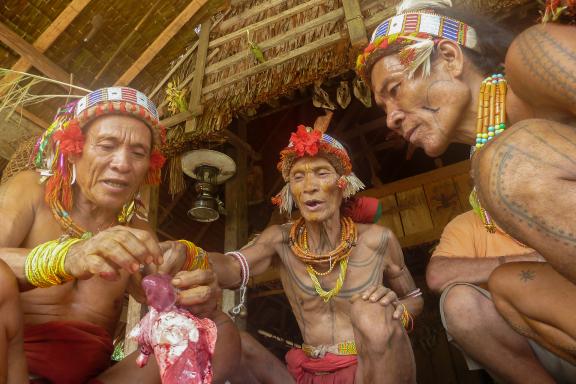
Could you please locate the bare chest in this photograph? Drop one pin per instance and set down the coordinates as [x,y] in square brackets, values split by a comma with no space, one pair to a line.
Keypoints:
[364,268]
[95,299]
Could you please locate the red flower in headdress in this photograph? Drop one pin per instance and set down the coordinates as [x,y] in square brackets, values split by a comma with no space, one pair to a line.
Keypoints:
[71,139]
[157,160]
[305,143]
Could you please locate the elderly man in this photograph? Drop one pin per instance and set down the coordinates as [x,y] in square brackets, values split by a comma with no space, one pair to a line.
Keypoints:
[331,271]
[427,68]
[75,238]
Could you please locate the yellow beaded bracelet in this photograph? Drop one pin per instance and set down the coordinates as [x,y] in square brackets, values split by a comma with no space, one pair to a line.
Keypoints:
[44,265]
[195,257]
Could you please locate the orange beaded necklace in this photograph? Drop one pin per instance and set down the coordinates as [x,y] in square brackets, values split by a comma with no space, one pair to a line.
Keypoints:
[299,243]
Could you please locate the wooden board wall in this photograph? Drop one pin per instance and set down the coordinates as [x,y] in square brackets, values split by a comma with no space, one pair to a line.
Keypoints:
[418,208]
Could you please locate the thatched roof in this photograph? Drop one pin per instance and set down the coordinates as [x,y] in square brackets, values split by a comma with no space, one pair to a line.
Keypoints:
[100,43]
[97,43]
[302,41]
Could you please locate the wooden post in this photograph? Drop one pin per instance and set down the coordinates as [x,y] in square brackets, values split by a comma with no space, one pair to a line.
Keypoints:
[236,228]
[150,197]
[196,88]
[355,23]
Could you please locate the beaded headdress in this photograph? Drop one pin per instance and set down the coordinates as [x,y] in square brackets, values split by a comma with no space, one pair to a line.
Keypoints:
[64,137]
[413,33]
[309,142]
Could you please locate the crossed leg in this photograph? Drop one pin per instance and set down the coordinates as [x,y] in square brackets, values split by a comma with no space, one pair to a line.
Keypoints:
[384,351]
[12,359]
[537,302]
[259,366]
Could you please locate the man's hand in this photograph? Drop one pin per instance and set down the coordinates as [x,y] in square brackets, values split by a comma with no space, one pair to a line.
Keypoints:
[112,250]
[199,291]
[174,256]
[382,295]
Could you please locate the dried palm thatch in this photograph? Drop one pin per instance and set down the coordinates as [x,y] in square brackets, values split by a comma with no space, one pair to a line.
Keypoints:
[264,49]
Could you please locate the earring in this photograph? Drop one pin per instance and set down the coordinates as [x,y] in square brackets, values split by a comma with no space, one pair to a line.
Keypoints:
[73,174]
[342,182]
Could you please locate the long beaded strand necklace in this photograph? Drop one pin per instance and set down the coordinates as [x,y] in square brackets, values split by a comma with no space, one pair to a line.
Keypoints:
[491,121]
[299,245]
[74,230]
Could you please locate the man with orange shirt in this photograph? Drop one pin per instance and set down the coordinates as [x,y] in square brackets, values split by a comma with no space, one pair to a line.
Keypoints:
[459,269]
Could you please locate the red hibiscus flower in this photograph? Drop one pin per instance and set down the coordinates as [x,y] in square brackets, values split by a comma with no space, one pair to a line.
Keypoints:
[305,143]
[157,160]
[71,139]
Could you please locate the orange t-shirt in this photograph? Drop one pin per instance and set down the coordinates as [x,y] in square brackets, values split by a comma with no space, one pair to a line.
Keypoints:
[465,236]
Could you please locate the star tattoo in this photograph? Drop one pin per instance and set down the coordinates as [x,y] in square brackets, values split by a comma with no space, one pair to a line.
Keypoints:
[527,275]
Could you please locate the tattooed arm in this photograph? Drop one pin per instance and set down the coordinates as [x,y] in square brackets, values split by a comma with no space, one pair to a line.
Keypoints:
[258,254]
[546,55]
[399,278]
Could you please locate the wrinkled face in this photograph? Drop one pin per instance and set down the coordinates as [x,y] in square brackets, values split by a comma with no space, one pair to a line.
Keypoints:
[314,186]
[114,161]
[425,111]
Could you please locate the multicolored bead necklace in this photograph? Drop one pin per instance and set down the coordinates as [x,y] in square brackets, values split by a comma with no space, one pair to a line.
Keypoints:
[491,121]
[491,109]
[299,245]
[74,230]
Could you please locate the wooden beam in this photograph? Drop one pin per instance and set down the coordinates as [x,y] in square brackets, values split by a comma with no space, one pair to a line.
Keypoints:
[355,23]
[34,56]
[419,180]
[54,30]
[260,24]
[379,123]
[200,234]
[379,17]
[189,78]
[166,211]
[372,161]
[41,123]
[282,107]
[261,8]
[196,87]
[318,44]
[161,41]
[276,40]
[182,59]
[236,226]
[241,144]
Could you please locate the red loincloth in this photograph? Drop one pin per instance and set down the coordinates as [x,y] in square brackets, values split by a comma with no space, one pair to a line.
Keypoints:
[67,352]
[330,369]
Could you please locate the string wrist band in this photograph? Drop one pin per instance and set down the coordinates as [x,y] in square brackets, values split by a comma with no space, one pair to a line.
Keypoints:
[245,274]
[195,257]
[45,265]
[407,319]
[414,293]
